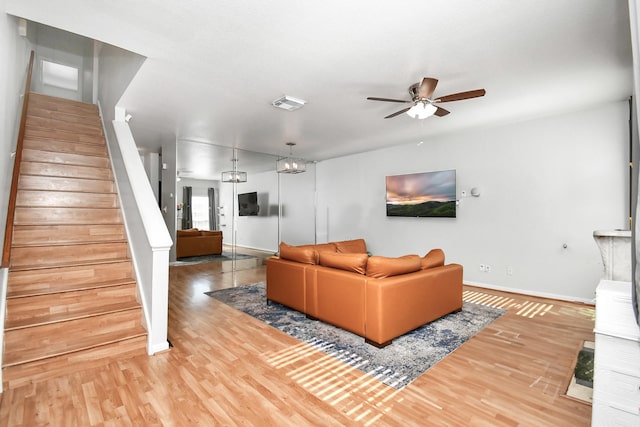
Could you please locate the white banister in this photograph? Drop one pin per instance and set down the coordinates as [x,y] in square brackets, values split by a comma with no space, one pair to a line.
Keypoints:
[149,238]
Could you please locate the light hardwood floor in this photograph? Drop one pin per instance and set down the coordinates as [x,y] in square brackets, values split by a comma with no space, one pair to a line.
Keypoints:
[226,368]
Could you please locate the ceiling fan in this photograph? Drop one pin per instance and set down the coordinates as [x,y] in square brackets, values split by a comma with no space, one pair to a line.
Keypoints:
[423,103]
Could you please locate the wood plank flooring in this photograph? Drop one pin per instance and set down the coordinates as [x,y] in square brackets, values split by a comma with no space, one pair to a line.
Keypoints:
[226,368]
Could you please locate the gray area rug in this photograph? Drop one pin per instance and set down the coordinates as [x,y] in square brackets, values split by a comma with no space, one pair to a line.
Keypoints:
[225,256]
[396,365]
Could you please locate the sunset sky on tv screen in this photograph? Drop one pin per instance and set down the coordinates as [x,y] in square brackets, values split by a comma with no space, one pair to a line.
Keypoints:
[419,188]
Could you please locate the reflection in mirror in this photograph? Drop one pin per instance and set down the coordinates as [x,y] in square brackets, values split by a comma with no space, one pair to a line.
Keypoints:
[247,238]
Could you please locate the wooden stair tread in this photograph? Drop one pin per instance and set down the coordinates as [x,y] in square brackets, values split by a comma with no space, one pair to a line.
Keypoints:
[70,159]
[19,375]
[73,115]
[66,177]
[59,347]
[67,264]
[23,293]
[62,135]
[37,98]
[66,243]
[64,316]
[63,142]
[65,130]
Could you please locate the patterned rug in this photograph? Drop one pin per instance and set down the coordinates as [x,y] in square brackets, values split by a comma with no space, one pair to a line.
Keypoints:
[225,256]
[396,365]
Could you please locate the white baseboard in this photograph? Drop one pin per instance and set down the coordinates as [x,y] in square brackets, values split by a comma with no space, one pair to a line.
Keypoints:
[530,293]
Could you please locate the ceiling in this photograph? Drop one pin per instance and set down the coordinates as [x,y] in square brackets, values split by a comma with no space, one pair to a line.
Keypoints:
[214,67]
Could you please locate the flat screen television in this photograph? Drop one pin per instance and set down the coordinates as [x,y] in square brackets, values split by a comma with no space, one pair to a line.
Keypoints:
[426,194]
[248,204]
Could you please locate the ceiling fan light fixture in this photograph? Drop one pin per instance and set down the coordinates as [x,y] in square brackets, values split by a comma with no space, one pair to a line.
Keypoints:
[422,110]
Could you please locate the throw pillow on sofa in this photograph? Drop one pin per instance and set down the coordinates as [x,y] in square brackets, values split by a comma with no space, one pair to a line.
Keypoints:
[357,246]
[356,263]
[435,258]
[302,254]
[380,267]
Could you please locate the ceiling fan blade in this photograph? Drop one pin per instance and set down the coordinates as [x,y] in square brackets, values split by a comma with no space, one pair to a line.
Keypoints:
[427,86]
[441,112]
[397,113]
[373,98]
[460,96]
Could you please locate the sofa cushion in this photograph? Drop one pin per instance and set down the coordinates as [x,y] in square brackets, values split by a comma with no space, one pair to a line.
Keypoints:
[331,247]
[192,232]
[302,254]
[380,267]
[357,246]
[435,258]
[356,263]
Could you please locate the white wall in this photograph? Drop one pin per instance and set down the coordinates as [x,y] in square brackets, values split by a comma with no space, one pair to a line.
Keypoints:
[64,48]
[543,183]
[168,194]
[297,199]
[14,57]
[257,232]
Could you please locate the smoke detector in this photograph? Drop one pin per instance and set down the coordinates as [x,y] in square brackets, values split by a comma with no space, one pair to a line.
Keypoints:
[289,103]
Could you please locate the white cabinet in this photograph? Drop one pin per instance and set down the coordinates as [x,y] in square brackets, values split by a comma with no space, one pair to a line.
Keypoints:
[616,382]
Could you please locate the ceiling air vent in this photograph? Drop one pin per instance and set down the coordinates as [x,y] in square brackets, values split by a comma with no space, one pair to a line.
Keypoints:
[288,103]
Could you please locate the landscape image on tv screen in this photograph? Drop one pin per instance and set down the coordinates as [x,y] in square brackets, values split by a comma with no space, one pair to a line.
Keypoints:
[427,194]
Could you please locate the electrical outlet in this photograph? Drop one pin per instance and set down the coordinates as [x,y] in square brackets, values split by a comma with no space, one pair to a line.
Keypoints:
[487,268]
[510,270]
[482,267]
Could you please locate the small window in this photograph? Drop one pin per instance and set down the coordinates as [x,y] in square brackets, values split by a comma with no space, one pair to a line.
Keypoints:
[59,75]
[200,212]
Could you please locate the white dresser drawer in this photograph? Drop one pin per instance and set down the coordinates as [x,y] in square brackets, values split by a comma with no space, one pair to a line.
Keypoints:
[621,390]
[606,414]
[618,354]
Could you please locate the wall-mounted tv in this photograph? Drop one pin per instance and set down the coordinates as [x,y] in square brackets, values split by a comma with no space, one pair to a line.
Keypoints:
[248,204]
[426,194]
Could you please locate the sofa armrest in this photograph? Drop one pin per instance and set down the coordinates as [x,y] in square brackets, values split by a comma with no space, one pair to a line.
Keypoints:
[399,304]
[286,282]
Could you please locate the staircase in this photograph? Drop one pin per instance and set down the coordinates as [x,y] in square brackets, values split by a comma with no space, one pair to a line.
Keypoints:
[72,296]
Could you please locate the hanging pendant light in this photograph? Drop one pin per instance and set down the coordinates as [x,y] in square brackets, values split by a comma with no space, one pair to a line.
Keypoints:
[234,175]
[291,164]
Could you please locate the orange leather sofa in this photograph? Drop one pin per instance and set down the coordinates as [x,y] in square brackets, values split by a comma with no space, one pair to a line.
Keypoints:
[378,298]
[194,242]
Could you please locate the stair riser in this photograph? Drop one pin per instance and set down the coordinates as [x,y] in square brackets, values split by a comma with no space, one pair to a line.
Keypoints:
[66,171]
[37,132]
[29,155]
[37,234]
[57,199]
[67,304]
[75,128]
[54,216]
[66,278]
[78,117]
[50,145]
[33,182]
[39,342]
[56,255]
